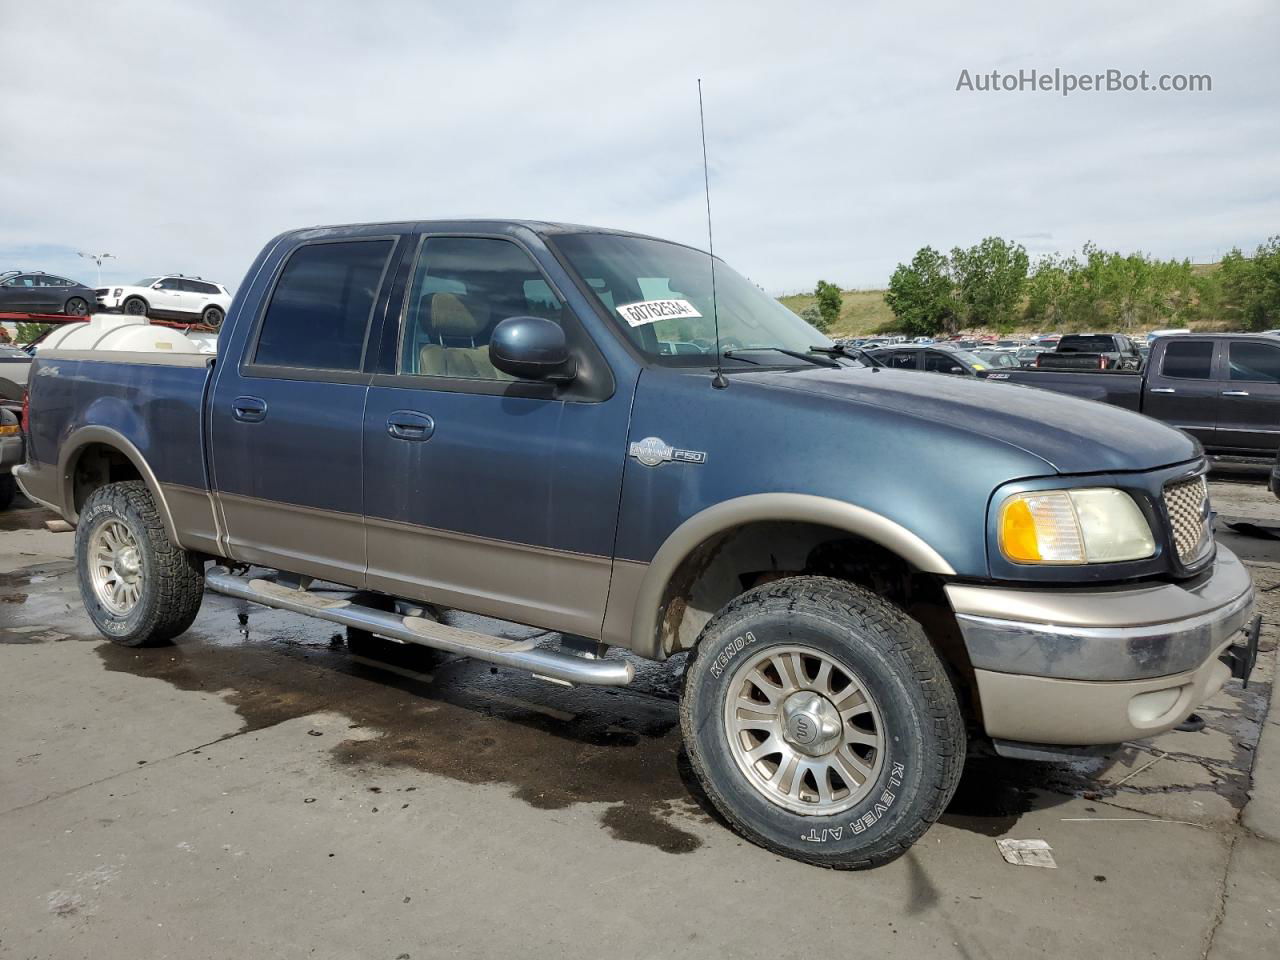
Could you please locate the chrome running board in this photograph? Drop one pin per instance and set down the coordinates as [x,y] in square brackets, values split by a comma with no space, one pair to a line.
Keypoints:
[521,654]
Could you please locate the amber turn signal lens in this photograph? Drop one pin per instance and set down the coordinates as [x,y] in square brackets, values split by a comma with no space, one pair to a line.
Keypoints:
[1018,533]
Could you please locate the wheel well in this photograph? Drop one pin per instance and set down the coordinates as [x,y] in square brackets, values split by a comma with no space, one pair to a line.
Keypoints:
[733,561]
[96,465]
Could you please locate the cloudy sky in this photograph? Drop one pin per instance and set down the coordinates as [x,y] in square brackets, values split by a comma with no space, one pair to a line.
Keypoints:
[180,136]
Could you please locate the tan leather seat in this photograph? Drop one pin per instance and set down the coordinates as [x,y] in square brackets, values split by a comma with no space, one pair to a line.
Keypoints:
[453,325]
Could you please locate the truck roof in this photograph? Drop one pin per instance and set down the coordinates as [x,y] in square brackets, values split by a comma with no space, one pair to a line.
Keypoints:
[542,227]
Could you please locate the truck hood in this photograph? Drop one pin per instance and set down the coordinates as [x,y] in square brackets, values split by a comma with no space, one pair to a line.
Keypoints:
[1069,434]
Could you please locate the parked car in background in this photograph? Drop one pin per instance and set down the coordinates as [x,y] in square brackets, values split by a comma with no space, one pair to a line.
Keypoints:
[1092,351]
[34,291]
[11,453]
[932,358]
[1026,356]
[15,364]
[996,358]
[1223,389]
[675,347]
[1171,332]
[172,297]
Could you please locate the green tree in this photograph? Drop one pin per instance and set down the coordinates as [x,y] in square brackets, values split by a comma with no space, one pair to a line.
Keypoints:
[812,315]
[1251,286]
[920,294]
[26,332]
[991,280]
[830,300]
[1049,289]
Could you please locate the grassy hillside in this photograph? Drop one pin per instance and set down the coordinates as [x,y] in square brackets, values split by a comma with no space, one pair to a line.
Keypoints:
[863,312]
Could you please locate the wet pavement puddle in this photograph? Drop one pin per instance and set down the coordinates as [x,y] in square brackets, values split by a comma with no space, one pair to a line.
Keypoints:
[553,746]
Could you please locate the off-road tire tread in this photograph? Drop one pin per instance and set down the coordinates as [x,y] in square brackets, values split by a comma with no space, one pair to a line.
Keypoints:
[176,573]
[902,638]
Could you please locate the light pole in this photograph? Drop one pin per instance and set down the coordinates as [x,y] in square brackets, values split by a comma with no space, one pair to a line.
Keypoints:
[97,258]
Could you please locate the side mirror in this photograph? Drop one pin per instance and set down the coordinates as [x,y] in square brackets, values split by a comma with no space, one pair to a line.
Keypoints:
[531,348]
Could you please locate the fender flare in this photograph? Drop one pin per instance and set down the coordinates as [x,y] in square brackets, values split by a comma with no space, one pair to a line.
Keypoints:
[70,453]
[764,507]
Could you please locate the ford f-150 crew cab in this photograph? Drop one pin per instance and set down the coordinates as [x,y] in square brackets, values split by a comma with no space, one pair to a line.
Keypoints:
[867,568]
[1223,389]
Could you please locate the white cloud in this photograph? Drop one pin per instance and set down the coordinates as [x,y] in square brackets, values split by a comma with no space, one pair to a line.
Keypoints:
[182,136]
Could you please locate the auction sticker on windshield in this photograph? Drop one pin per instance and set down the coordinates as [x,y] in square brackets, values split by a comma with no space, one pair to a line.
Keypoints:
[644,312]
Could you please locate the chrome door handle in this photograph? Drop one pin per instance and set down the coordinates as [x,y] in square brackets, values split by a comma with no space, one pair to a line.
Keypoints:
[1163,390]
[1235,393]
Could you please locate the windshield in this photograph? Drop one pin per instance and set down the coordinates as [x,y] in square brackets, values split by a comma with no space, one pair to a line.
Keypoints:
[1087,344]
[146,281]
[659,294]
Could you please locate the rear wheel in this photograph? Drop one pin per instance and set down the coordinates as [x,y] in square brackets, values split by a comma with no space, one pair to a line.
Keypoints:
[76,307]
[135,307]
[821,723]
[212,316]
[139,588]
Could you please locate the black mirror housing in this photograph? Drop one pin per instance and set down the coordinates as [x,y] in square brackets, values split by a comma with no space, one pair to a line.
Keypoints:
[532,348]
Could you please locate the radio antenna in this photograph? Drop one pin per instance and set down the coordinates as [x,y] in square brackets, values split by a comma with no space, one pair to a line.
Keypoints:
[718,381]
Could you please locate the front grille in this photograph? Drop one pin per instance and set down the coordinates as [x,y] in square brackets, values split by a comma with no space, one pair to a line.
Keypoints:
[1187,503]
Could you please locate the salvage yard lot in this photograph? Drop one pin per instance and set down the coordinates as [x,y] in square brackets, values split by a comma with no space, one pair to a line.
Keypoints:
[258,791]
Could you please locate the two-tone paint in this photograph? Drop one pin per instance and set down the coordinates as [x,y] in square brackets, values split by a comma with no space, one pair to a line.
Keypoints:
[519,500]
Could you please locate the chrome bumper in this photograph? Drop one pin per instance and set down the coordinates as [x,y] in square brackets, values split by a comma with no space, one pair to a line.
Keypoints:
[1104,635]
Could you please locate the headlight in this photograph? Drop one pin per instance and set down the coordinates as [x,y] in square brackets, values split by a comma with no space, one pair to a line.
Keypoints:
[1098,525]
[116,292]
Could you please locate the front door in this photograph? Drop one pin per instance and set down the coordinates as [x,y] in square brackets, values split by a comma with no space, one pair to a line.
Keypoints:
[482,492]
[1183,390]
[1249,411]
[286,422]
[166,296]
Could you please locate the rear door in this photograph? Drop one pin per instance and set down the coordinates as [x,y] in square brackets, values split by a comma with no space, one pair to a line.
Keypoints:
[1182,388]
[1249,409]
[287,410]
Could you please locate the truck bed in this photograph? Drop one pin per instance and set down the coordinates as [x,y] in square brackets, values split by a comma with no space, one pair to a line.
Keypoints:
[1116,387]
[153,401]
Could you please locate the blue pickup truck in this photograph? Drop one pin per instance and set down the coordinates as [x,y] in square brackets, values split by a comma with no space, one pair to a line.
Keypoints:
[868,569]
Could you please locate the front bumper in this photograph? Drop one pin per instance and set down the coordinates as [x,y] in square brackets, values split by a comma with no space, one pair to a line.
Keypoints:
[1100,666]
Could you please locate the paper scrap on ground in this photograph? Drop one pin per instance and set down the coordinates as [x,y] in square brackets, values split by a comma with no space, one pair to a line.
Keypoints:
[1027,853]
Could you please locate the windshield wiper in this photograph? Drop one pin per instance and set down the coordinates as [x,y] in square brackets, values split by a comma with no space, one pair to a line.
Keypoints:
[820,361]
[840,350]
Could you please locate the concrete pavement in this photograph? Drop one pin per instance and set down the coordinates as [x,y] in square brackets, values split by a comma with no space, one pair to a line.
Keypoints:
[257,790]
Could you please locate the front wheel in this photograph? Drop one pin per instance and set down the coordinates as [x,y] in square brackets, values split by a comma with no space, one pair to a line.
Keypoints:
[821,723]
[139,588]
[135,307]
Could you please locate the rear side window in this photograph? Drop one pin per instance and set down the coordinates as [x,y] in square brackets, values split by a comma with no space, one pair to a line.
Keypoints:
[1255,362]
[320,309]
[1087,344]
[1188,360]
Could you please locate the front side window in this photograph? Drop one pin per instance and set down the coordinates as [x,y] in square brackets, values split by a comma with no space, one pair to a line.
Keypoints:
[1188,360]
[171,284]
[1255,362]
[659,294]
[462,288]
[26,280]
[320,309]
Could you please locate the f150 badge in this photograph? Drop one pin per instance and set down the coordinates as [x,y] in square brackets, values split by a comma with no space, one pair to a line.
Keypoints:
[652,451]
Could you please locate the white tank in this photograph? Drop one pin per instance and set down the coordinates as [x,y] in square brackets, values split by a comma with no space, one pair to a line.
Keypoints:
[105,331]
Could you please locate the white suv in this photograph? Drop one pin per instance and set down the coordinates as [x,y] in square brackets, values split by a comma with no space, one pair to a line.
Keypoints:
[173,297]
